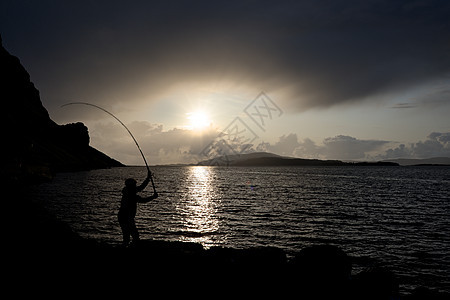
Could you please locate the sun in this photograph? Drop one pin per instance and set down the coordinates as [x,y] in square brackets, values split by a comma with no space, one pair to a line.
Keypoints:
[198,120]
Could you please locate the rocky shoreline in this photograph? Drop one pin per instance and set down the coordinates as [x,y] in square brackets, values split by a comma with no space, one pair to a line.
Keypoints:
[45,250]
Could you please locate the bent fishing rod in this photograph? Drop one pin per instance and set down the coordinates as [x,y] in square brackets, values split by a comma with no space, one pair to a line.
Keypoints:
[132,136]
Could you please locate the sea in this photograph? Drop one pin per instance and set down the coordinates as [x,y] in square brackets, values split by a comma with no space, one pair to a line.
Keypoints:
[392,217]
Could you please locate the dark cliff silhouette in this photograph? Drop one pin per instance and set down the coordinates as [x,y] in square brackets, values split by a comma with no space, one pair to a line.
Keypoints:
[34,146]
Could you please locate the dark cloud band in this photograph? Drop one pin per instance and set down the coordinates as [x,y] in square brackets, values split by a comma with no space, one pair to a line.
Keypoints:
[319,53]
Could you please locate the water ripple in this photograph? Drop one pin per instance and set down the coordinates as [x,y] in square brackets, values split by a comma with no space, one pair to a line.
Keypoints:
[395,217]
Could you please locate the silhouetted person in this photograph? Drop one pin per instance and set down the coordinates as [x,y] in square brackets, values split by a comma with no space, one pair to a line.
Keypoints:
[128,207]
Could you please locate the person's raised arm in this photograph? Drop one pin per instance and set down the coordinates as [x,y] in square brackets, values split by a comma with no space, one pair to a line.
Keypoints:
[144,184]
[147,199]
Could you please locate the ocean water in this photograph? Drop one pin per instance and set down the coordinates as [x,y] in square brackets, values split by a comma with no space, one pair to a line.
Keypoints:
[395,217]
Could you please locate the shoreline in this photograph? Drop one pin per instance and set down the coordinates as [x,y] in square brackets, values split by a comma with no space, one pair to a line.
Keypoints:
[42,244]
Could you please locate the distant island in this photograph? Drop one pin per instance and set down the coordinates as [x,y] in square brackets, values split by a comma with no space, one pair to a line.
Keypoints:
[271,159]
[434,161]
[265,159]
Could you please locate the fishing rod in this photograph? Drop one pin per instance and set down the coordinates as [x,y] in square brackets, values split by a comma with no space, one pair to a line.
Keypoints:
[132,136]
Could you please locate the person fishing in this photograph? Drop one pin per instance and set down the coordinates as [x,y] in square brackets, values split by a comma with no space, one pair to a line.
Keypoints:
[128,208]
[130,199]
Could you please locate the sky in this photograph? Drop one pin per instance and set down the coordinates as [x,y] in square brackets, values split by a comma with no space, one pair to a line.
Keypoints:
[349,80]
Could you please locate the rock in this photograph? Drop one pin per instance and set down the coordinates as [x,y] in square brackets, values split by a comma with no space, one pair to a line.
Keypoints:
[321,270]
[376,283]
[34,145]
[73,135]
[323,262]
[256,257]
[422,293]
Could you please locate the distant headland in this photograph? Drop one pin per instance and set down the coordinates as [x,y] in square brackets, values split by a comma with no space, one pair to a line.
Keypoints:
[35,146]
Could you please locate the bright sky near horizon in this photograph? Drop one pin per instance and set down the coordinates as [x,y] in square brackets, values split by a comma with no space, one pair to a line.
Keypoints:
[349,80]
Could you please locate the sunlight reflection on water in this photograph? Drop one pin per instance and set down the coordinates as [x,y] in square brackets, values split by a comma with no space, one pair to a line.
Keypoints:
[199,206]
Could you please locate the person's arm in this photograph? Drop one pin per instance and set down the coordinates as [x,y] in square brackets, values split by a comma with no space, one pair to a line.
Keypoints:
[143,185]
[147,199]
[146,181]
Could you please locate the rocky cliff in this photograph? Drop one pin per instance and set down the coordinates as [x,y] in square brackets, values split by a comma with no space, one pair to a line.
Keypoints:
[34,146]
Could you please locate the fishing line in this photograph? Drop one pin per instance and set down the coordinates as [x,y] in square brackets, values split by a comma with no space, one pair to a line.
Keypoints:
[132,136]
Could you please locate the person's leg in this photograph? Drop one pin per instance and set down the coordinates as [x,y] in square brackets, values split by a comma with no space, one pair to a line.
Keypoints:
[125,230]
[133,231]
[125,234]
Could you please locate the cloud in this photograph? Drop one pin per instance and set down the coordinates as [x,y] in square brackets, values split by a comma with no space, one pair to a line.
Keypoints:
[342,147]
[400,151]
[347,147]
[185,146]
[404,105]
[338,147]
[286,145]
[437,144]
[309,53]
[159,146]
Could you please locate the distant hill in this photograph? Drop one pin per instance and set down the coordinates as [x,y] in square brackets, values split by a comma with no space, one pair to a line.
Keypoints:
[445,161]
[34,146]
[270,159]
[236,158]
